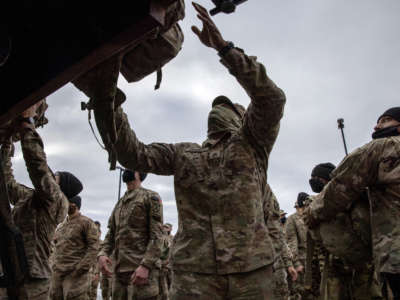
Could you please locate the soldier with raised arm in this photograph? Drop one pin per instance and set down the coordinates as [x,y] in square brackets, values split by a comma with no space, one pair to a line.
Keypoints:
[222,248]
[37,211]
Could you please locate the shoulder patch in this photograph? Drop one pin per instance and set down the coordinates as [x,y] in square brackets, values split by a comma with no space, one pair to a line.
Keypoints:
[155,198]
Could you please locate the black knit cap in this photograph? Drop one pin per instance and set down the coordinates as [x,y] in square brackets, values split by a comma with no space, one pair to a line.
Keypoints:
[76,200]
[301,197]
[393,112]
[323,170]
[69,184]
[129,176]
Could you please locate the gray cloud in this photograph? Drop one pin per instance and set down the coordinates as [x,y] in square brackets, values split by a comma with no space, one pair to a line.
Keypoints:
[332,58]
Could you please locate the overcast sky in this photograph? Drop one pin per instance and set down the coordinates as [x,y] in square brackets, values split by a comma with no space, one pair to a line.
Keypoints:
[333,58]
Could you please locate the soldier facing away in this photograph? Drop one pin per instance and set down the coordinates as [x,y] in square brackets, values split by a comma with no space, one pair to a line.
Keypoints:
[94,271]
[222,249]
[134,236]
[374,167]
[37,211]
[76,246]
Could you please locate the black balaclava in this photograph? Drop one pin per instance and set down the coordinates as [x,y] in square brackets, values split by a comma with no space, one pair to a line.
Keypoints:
[283,219]
[129,176]
[394,113]
[324,171]
[69,184]
[225,116]
[301,198]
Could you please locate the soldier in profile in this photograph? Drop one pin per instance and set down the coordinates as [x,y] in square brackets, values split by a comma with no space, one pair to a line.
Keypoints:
[76,246]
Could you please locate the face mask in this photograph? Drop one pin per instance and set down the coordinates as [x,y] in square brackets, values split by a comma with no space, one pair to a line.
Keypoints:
[71,210]
[283,220]
[222,119]
[386,132]
[316,185]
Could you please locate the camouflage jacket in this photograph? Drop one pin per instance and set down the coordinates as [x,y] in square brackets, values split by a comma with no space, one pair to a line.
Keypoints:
[375,166]
[76,245]
[135,231]
[219,186]
[277,233]
[296,235]
[38,211]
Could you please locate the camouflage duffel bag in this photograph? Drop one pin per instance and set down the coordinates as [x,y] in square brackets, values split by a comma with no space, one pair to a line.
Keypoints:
[348,236]
[152,54]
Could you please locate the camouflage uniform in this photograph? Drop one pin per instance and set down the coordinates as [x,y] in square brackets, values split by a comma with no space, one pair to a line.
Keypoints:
[36,212]
[283,254]
[94,275]
[219,187]
[106,285]
[296,234]
[374,166]
[135,236]
[76,247]
[166,272]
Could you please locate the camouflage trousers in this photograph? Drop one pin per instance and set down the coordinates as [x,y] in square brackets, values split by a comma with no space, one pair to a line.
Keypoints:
[164,287]
[69,286]
[340,282]
[254,285]
[122,289]
[105,286]
[34,289]
[94,283]
[281,288]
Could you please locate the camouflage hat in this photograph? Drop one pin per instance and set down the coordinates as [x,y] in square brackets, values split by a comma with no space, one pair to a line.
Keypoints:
[282,212]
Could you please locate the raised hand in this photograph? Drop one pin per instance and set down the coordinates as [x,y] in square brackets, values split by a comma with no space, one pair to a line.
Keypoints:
[209,35]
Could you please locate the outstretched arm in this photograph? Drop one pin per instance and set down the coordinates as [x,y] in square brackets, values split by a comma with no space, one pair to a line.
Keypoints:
[16,191]
[263,115]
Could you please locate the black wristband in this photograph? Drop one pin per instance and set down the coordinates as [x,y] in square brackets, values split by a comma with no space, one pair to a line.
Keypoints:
[226,49]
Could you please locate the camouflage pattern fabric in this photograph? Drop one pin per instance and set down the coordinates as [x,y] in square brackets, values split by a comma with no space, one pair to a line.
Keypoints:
[218,231]
[166,271]
[375,166]
[296,235]
[36,211]
[254,285]
[106,287]
[73,285]
[123,289]
[135,231]
[94,278]
[76,245]
[283,254]
[281,289]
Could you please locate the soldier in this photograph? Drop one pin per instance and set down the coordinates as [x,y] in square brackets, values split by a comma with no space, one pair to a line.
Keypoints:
[37,211]
[76,247]
[296,234]
[166,271]
[222,249]
[374,167]
[340,278]
[283,219]
[94,271]
[166,266]
[106,284]
[283,263]
[135,236]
